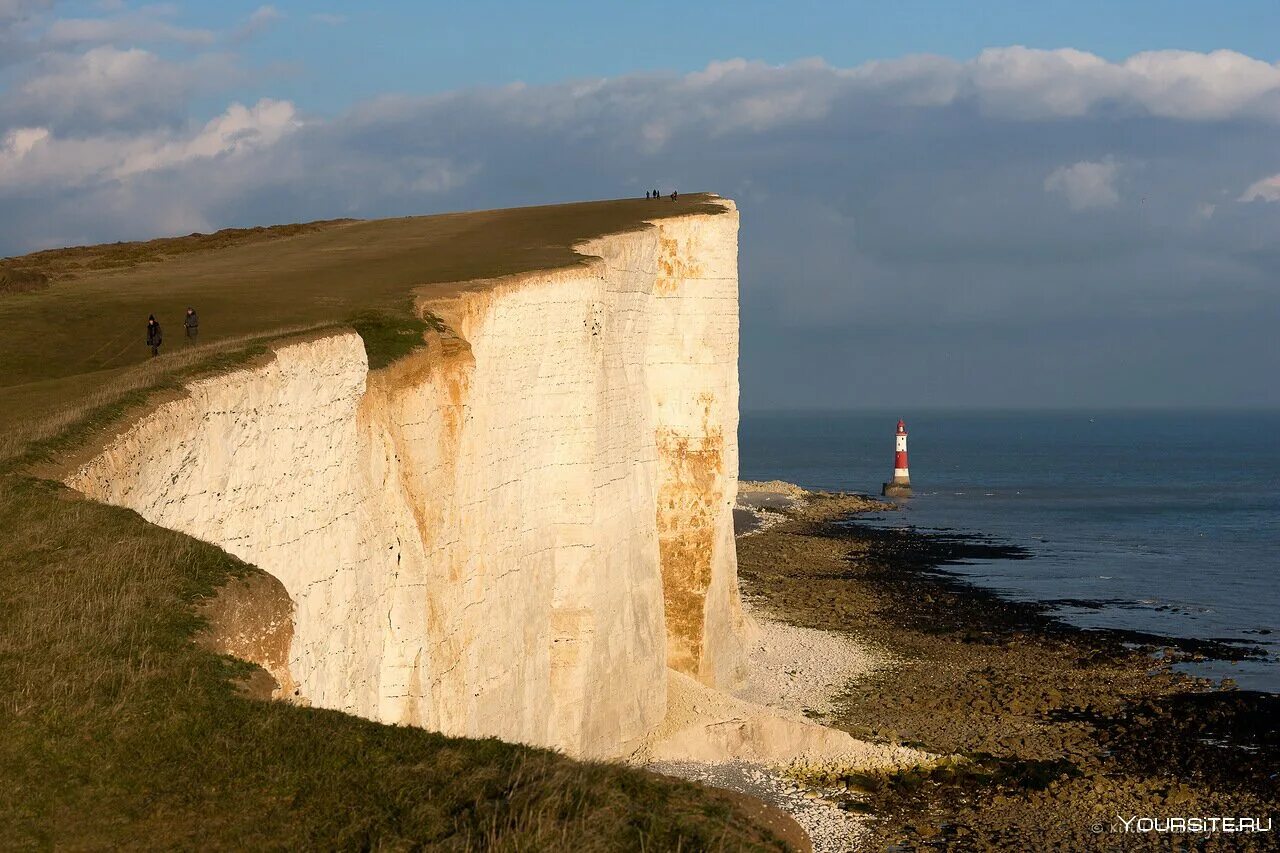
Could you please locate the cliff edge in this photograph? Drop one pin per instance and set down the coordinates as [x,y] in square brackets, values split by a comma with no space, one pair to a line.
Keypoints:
[513,531]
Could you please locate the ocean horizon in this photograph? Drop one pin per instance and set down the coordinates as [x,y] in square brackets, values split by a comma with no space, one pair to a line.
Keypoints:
[1164,521]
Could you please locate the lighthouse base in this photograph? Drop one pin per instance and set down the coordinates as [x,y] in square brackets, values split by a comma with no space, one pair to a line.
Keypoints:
[896,490]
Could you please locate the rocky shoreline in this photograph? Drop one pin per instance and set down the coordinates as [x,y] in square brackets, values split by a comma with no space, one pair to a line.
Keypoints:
[1061,738]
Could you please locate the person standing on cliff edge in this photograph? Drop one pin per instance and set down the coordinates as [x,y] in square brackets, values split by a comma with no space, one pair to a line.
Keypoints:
[154,338]
[192,324]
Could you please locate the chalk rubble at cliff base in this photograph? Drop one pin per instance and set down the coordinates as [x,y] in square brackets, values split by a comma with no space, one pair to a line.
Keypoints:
[762,741]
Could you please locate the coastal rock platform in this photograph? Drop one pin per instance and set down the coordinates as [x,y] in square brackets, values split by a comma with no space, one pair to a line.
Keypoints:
[1056,734]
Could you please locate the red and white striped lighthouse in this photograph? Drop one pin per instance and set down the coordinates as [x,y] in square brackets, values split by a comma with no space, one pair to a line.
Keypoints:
[901,484]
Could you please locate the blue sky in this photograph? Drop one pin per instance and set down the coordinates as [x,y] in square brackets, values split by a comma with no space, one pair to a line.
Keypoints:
[943,204]
[326,56]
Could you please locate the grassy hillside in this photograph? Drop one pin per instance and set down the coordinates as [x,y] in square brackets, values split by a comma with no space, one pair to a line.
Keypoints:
[81,330]
[115,728]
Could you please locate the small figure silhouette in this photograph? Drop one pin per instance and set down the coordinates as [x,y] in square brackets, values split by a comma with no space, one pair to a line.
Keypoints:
[154,338]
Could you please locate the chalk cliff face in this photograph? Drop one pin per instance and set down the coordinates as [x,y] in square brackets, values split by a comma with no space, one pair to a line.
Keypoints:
[512,532]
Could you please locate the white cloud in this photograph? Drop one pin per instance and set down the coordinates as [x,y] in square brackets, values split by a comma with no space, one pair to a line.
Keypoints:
[33,158]
[755,96]
[238,130]
[19,141]
[1014,83]
[1025,83]
[329,19]
[918,81]
[1185,84]
[258,21]
[1086,184]
[1265,189]
[127,29]
[109,86]
[1031,84]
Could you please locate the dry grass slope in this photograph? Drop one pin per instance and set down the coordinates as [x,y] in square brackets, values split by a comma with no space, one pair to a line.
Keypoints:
[118,730]
[91,321]
[38,270]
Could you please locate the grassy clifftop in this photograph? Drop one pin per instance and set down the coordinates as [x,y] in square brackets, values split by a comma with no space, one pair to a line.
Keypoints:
[84,327]
[118,730]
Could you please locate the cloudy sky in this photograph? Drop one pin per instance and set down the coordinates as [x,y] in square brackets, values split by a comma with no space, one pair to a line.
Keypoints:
[1008,204]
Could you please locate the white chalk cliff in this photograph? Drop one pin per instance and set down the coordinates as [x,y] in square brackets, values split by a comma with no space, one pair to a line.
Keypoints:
[514,531]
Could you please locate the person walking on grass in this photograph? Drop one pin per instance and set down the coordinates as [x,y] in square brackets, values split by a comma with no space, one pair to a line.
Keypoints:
[154,338]
[192,324]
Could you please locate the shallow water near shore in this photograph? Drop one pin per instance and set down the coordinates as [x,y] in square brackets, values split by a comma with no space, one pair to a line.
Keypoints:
[1161,522]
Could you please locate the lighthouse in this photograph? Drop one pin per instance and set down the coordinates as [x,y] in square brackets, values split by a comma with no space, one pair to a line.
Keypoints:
[900,487]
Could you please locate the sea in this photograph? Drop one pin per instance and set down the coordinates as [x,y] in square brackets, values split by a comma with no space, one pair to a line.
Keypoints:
[1166,522]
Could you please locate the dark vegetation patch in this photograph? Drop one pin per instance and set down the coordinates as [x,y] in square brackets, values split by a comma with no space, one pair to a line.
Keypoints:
[390,337]
[964,773]
[15,279]
[1229,740]
[918,799]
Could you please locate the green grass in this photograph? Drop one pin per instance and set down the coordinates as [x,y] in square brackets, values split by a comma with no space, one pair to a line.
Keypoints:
[389,337]
[115,728]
